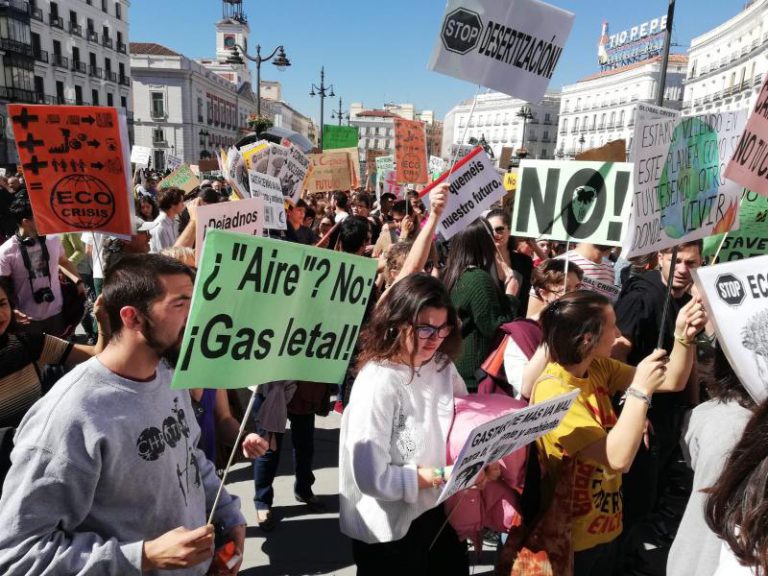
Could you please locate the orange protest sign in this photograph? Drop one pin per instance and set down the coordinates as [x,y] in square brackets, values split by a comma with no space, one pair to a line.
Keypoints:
[75,167]
[410,151]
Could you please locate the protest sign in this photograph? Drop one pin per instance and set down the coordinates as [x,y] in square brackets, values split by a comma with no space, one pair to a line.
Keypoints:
[245,216]
[231,341]
[277,157]
[195,169]
[235,172]
[385,163]
[474,186]
[268,188]
[293,173]
[494,440]
[182,177]
[2,172]
[388,183]
[436,166]
[173,162]
[140,155]
[736,296]
[615,151]
[680,194]
[339,137]
[410,151]
[510,180]
[330,172]
[353,159]
[751,239]
[749,164]
[257,158]
[505,158]
[371,157]
[568,200]
[208,164]
[75,167]
[512,47]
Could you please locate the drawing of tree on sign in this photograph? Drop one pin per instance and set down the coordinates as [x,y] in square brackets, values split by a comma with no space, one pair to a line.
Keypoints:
[755,339]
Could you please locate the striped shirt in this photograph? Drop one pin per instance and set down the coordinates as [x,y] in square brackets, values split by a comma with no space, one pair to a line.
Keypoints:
[598,277]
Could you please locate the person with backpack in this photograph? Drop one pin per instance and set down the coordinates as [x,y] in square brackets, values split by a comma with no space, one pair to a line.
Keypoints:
[579,330]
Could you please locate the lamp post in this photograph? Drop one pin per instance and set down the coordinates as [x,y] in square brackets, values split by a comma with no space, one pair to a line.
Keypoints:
[323,91]
[526,114]
[281,62]
[340,114]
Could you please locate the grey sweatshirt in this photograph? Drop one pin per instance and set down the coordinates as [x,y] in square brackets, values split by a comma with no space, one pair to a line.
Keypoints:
[100,464]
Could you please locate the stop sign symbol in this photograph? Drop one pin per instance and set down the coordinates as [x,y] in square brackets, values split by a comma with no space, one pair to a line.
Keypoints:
[461,30]
[730,289]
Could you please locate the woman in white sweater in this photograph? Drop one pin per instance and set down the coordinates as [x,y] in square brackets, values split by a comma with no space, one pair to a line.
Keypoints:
[392,454]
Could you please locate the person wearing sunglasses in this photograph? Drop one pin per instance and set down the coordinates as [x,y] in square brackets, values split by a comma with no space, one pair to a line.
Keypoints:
[392,450]
[509,258]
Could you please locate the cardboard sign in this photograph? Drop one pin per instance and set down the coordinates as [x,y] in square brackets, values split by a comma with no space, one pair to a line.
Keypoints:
[679,192]
[293,173]
[474,186]
[749,164]
[510,180]
[245,216]
[231,341]
[182,178]
[371,156]
[577,201]
[410,151]
[614,151]
[751,239]
[512,46]
[330,171]
[502,436]
[268,188]
[736,296]
[208,165]
[140,155]
[75,166]
[339,137]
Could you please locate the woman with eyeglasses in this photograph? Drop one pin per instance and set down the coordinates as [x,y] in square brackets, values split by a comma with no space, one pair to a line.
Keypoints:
[471,277]
[548,283]
[392,450]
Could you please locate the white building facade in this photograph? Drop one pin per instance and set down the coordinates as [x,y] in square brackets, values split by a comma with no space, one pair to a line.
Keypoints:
[726,66]
[601,108]
[376,127]
[498,119]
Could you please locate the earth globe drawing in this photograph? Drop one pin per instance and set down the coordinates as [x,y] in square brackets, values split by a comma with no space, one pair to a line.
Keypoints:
[83,201]
[685,180]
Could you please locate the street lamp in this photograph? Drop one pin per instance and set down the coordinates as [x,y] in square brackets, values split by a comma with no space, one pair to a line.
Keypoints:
[340,114]
[526,114]
[321,91]
[281,62]
[581,142]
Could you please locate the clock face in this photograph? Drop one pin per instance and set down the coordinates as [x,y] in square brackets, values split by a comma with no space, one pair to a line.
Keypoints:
[229,41]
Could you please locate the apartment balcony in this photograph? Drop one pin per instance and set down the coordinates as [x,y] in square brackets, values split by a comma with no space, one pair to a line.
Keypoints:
[110,76]
[162,143]
[94,71]
[125,81]
[37,14]
[60,61]
[80,67]
[56,21]
[92,36]
[16,94]
[106,41]
[564,132]
[17,6]
[41,56]
[122,48]
[157,114]
[76,29]
[16,47]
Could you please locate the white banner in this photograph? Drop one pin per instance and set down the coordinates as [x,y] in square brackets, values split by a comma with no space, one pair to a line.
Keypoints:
[268,188]
[494,440]
[736,296]
[245,216]
[292,173]
[140,155]
[173,162]
[510,46]
[680,192]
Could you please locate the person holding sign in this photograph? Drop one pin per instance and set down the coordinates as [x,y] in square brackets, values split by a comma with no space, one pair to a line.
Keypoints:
[579,330]
[392,450]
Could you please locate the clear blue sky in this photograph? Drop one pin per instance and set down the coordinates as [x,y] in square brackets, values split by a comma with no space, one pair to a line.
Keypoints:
[377,50]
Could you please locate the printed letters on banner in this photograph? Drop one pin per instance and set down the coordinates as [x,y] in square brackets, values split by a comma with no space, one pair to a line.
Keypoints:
[474,186]
[330,171]
[511,46]
[75,167]
[260,308]
[268,188]
[736,295]
[410,151]
[749,164]
[245,217]
[680,194]
[569,200]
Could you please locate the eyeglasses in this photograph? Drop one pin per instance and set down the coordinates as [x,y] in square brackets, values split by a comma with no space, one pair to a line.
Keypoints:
[427,331]
[499,229]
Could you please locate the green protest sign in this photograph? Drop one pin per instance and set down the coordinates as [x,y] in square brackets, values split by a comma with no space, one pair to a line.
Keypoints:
[751,239]
[182,177]
[339,137]
[266,310]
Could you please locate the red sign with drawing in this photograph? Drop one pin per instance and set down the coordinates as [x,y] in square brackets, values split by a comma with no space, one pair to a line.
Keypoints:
[410,152]
[74,167]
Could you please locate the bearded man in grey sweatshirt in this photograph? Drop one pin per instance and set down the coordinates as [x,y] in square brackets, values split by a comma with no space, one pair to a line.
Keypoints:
[106,476]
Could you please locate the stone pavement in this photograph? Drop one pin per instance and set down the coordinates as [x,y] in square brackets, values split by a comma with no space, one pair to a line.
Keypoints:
[302,542]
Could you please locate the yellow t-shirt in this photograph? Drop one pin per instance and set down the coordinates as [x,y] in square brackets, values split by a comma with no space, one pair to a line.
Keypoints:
[597,500]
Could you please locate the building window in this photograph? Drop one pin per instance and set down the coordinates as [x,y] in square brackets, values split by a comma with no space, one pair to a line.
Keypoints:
[157,104]
[123,102]
[199,109]
[158,135]
[104,5]
[59,92]
[39,83]
[118,11]
[159,159]
[110,101]
[78,94]
[95,97]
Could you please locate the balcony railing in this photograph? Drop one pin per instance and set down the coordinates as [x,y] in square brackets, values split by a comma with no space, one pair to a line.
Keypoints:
[157,113]
[124,80]
[41,56]
[92,36]
[56,21]
[80,67]
[17,6]
[60,61]
[121,47]
[94,71]
[110,76]
[17,47]
[76,29]
[106,41]
[37,14]
[16,94]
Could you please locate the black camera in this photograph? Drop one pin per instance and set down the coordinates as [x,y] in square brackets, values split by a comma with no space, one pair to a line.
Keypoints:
[43,295]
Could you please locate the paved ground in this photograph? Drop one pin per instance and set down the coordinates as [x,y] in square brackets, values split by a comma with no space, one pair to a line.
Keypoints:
[304,543]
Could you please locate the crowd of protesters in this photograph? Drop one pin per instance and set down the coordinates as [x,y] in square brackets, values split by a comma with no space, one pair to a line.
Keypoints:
[107,470]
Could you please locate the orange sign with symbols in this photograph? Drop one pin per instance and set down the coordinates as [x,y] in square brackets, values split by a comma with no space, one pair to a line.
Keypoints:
[74,166]
[410,152]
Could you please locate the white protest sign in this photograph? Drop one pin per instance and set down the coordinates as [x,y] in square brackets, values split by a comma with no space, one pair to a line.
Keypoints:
[140,155]
[244,216]
[389,184]
[680,193]
[385,163]
[277,157]
[511,46]
[173,162]
[436,165]
[268,188]
[492,441]
[474,186]
[2,172]
[573,200]
[736,296]
[749,165]
[292,173]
